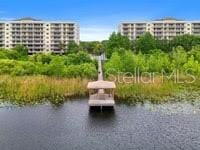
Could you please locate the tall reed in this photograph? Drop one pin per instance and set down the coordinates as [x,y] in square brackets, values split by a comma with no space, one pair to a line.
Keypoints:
[155,92]
[38,89]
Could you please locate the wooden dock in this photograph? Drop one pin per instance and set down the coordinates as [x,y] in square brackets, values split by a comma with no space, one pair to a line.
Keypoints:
[101,100]
[98,97]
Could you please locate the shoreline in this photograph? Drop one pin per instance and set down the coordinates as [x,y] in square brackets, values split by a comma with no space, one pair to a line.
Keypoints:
[33,90]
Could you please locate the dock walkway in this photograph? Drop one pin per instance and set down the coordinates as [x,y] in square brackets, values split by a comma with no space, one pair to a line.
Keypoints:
[100,98]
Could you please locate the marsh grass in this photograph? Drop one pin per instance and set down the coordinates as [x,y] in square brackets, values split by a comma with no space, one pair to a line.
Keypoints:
[155,92]
[40,89]
[24,90]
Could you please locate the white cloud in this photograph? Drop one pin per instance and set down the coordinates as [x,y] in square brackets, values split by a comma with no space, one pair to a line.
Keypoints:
[95,33]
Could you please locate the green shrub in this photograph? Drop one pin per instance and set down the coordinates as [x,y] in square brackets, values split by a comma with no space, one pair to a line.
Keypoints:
[56,67]
[192,66]
[114,64]
[9,54]
[86,70]
[179,57]
[155,61]
[78,58]
[158,61]
[78,65]
[42,58]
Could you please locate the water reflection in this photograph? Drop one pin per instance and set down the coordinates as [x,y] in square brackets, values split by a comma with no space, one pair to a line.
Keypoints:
[102,118]
[73,126]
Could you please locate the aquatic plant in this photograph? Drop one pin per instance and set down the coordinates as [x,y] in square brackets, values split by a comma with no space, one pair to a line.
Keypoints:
[40,89]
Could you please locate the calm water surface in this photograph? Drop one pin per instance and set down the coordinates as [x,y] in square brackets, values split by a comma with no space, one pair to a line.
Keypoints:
[73,127]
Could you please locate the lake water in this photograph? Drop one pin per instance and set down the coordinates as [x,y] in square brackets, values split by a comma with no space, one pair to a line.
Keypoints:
[73,127]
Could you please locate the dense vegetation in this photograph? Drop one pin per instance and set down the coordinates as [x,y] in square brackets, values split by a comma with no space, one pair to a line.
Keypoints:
[145,44]
[151,55]
[155,61]
[40,89]
[31,79]
[16,63]
[133,59]
[56,77]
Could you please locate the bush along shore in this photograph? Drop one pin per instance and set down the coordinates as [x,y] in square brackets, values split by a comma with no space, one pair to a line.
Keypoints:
[40,89]
[31,90]
[157,93]
[31,79]
[39,78]
[155,77]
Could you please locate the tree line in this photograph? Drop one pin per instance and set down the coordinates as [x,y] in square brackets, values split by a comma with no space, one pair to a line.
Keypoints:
[143,44]
[17,62]
[149,54]
[146,52]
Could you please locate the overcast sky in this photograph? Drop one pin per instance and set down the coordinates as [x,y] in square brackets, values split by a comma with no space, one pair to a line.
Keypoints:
[99,18]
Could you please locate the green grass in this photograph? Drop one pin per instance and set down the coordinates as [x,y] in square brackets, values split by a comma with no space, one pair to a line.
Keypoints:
[40,89]
[24,90]
[156,92]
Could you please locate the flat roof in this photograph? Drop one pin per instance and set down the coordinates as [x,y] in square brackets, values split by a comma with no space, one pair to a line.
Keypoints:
[166,19]
[101,84]
[33,20]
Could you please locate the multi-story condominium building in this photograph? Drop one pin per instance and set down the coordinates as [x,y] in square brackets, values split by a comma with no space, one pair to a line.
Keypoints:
[166,28]
[38,36]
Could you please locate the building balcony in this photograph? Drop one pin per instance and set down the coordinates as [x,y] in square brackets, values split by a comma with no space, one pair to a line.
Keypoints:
[70,32]
[125,25]
[140,24]
[36,26]
[15,29]
[16,41]
[158,25]
[55,29]
[140,28]
[70,24]
[179,29]
[194,24]
[196,29]
[158,28]
[15,25]
[16,37]
[140,31]
[196,33]
[71,37]
[56,41]
[125,29]
[71,28]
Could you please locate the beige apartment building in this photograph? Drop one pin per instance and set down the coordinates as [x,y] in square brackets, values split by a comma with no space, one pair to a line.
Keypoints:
[166,28]
[38,36]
